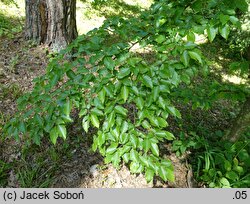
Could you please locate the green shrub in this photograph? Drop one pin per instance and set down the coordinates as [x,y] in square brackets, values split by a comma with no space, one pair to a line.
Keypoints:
[124,96]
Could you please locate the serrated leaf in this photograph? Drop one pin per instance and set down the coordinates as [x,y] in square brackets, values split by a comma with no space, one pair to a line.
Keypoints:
[62,131]
[124,93]
[123,72]
[147,81]
[94,120]
[196,56]
[211,32]
[155,149]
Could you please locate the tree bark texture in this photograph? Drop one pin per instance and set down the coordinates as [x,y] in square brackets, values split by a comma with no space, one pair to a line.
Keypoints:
[51,22]
[241,124]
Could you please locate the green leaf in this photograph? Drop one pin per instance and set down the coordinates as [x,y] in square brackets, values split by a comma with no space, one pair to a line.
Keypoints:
[162,103]
[162,122]
[146,124]
[224,19]
[149,175]
[101,95]
[133,140]
[112,148]
[95,121]
[164,134]
[121,110]
[139,103]
[196,56]
[111,119]
[125,71]
[224,182]
[116,159]
[191,37]
[155,149]
[67,108]
[156,92]
[225,31]
[124,127]
[134,155]
[62,131]
[163,173]
[144,160]
[232,175]
[160,39]
[147,81]
[53,135]
[97,112]
[134,167]
[211,32]
[71,74]
[124,93]
[85,123]
[172,110]
[227,165]
[185,58]
[109,63]
[126,157]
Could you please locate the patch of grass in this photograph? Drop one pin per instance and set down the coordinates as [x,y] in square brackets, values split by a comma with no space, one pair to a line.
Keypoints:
[11,18]
[4,169]
[91,14]
[12,91]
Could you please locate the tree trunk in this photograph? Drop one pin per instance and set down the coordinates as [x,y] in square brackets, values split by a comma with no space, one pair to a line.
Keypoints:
[51,22]
[241,124]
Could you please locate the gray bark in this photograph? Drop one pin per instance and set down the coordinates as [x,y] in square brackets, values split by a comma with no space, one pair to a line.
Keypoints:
[51,22]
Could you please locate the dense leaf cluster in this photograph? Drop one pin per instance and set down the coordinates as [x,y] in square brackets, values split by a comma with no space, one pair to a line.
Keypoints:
[123,94]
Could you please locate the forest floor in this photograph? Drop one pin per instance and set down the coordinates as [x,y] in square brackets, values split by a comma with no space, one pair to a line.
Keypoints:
[71,163]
